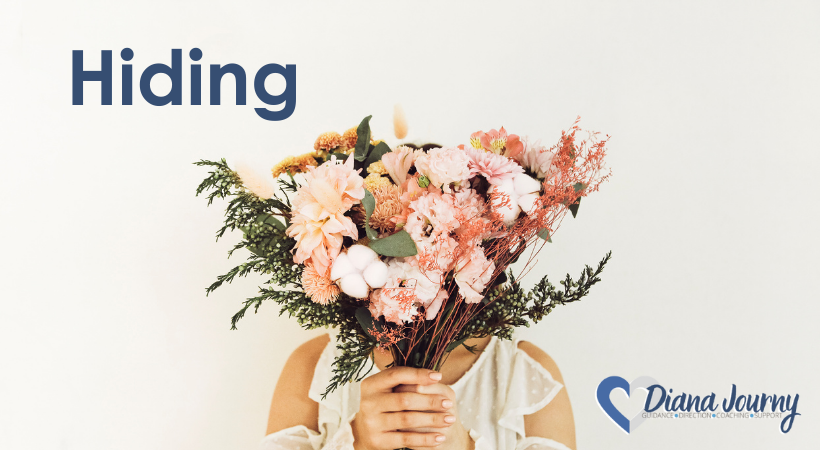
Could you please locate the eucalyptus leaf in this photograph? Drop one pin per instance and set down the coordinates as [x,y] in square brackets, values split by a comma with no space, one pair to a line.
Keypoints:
[376,154]
[365,319]
[573,208]
[397,245]
[363,140]
[369,203]
[545,234]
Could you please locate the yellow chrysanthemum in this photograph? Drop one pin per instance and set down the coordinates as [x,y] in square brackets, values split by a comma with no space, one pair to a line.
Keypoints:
[327,141]
[375,181]
[378,168]
[349,138]
[294,164]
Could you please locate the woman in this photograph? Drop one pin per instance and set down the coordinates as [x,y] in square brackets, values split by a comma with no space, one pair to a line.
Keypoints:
[507,395]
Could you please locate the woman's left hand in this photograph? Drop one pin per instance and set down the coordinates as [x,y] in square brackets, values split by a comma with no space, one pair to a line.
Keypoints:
[457,437]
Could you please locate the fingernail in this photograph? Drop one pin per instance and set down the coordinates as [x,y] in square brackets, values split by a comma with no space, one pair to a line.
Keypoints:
[449,419]
[440,438]
[446,404]
[435,376]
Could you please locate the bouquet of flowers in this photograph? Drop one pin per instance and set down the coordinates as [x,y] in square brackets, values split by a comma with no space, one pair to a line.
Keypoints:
[407,249]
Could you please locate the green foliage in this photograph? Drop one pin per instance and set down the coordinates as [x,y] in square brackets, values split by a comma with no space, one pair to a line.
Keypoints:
[509,306]
[355,346]
[376,153]
[369,203]
[546,296]
[398,245]
[363,140]
[220,180]
[271,249]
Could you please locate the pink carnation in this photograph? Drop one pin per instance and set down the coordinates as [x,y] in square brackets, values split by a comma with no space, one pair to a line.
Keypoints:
[495,168]
[473,272]
[434,214]
[444,166]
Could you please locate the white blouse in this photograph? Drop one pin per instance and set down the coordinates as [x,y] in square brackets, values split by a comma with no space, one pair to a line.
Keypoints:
[494,395]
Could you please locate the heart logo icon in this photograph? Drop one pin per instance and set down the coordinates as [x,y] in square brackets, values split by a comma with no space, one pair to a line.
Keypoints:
[615,382]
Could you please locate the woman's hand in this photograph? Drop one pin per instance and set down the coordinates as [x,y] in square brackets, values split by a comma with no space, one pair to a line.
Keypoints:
[419,414]
[456,436]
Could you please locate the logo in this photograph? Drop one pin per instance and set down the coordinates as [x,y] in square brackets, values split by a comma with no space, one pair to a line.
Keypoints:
[665,404]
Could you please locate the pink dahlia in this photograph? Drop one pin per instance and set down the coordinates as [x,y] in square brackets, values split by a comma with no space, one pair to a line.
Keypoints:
[495,168]
[318,223]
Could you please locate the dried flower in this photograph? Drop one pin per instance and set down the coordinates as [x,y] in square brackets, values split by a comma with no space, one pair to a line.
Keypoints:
[261,187]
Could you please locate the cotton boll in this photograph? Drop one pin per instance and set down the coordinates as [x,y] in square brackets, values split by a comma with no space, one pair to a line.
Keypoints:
[354,286]
[525,184]
[506,184]
[527,202]
[375,274]
[509,212]
[341,267]
[361,256]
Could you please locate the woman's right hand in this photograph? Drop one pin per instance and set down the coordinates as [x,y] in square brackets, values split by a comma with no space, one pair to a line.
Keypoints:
[382,412]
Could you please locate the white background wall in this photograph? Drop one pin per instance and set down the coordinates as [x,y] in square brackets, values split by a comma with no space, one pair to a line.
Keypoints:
[108,342]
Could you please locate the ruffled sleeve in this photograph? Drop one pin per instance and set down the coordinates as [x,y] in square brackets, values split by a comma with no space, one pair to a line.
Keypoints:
[335,413]
[529,388]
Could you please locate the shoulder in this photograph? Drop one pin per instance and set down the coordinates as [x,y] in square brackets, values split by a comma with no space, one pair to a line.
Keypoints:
[541,357]
[553,421]
[307,355]
[291,405]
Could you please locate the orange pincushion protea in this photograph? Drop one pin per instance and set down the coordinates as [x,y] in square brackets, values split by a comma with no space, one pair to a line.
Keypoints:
[319,287]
